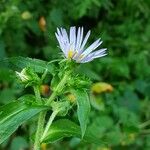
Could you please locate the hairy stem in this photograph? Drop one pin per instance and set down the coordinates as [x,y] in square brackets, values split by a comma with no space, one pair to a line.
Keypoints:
[44,74]
[39,131]
[37,94]
[53,115]
[146,131]
[41,120]
[143,125]
[58,88]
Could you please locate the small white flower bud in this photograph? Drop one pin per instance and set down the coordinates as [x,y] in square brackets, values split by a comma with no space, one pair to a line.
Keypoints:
[22,75]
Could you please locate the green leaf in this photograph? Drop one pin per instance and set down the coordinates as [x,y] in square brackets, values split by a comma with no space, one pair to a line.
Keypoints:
[66,128]
[13,115]
[37,65]
[83,109]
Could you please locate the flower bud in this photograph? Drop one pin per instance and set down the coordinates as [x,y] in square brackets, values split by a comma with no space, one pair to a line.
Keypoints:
[23,75]
[28,77]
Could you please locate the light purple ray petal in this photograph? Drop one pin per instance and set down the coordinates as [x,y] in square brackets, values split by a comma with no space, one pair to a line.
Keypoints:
[60,35]
[75,42]
[62,39]
[92,47]
[96,54]
[80,39]
[85,40]
[67,47]
[99,53]
[83,44]
[87,59]
[65,35]
[58,32]
[65,40]
[73,37]
[60,42]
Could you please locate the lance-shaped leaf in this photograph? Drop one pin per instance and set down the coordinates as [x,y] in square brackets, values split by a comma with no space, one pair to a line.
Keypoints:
[83,109]
[66,128]
[14,114]
[37,65]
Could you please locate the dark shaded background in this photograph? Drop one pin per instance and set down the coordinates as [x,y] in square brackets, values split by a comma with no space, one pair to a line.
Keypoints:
[27,29]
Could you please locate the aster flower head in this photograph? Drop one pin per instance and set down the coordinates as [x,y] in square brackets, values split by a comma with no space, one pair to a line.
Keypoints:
[74,45]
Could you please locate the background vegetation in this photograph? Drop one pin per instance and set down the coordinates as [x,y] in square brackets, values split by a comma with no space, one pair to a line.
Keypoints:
[120,109]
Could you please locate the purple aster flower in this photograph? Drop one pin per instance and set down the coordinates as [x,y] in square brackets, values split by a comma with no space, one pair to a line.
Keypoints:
[73,45]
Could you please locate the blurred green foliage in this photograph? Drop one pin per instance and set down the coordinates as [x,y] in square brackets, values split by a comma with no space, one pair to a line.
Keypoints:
[27,29]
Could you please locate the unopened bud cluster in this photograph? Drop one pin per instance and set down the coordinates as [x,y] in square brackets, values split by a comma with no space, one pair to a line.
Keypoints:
[28,77]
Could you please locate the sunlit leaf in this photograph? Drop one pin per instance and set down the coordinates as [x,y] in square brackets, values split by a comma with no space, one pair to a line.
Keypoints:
[14,114]
[37,65]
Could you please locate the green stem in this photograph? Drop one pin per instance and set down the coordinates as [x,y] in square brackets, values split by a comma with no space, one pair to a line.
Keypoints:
[39,131]
[41,120]
[44,74]
[37,94]
[146,131]
[42,115]
[53,115]
[58,88]
[143,125]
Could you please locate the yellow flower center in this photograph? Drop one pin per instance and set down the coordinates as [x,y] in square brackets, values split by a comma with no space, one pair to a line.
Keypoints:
[70,54]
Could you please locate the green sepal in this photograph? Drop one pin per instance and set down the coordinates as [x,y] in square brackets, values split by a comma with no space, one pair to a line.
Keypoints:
[79,82]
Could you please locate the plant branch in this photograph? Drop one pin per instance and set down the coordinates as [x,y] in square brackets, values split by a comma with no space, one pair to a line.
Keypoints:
[39,131]
[143,125]
[44,74]
[42,115]
[37,94]
[41,120]
[58,88]
[53,115]
[146,131]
